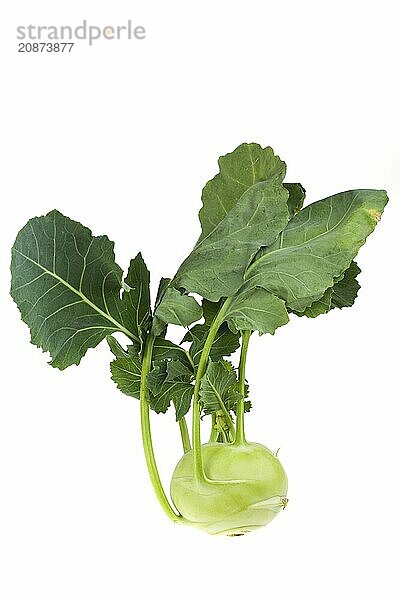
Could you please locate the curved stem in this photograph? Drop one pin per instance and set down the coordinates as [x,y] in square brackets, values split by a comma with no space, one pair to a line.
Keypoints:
[146,434]
[214,432]
[201,369]
[184,435]
[240,437]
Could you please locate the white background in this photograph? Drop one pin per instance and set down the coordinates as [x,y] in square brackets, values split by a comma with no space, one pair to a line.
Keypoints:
[122,136]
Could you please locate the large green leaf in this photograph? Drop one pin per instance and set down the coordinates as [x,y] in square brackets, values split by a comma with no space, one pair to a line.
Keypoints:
[215,268]
[256,309]
[136,297]
[67,287]
[317,246]
[219,388]
[238,171]
[178,309]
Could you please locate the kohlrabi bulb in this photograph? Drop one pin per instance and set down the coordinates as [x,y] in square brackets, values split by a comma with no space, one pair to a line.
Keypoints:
[245,488]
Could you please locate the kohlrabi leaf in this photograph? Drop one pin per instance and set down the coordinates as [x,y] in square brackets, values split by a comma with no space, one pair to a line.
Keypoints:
[120,352]
[225,343]
[126,373]
[256,309]
[158,400]
[164,349]
[158,326]
[219,388]
[67,285]
[134,348]
[247,406]
[345,291]
[296,197]
[160,404]
[136,297]
[178,309]
[116,348]
[319,307]
[163,392]
[216,266]
[178,371]
[182,398]
[210,310]
[162,288]
[157,374]
[317,246]
[238,171]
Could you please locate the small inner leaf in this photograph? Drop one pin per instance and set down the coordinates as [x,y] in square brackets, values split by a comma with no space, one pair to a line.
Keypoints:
[219,388]
[178,309]
[126,373]
[225,343]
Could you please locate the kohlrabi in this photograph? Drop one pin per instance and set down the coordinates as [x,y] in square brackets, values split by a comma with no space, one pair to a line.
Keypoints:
[260,257]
